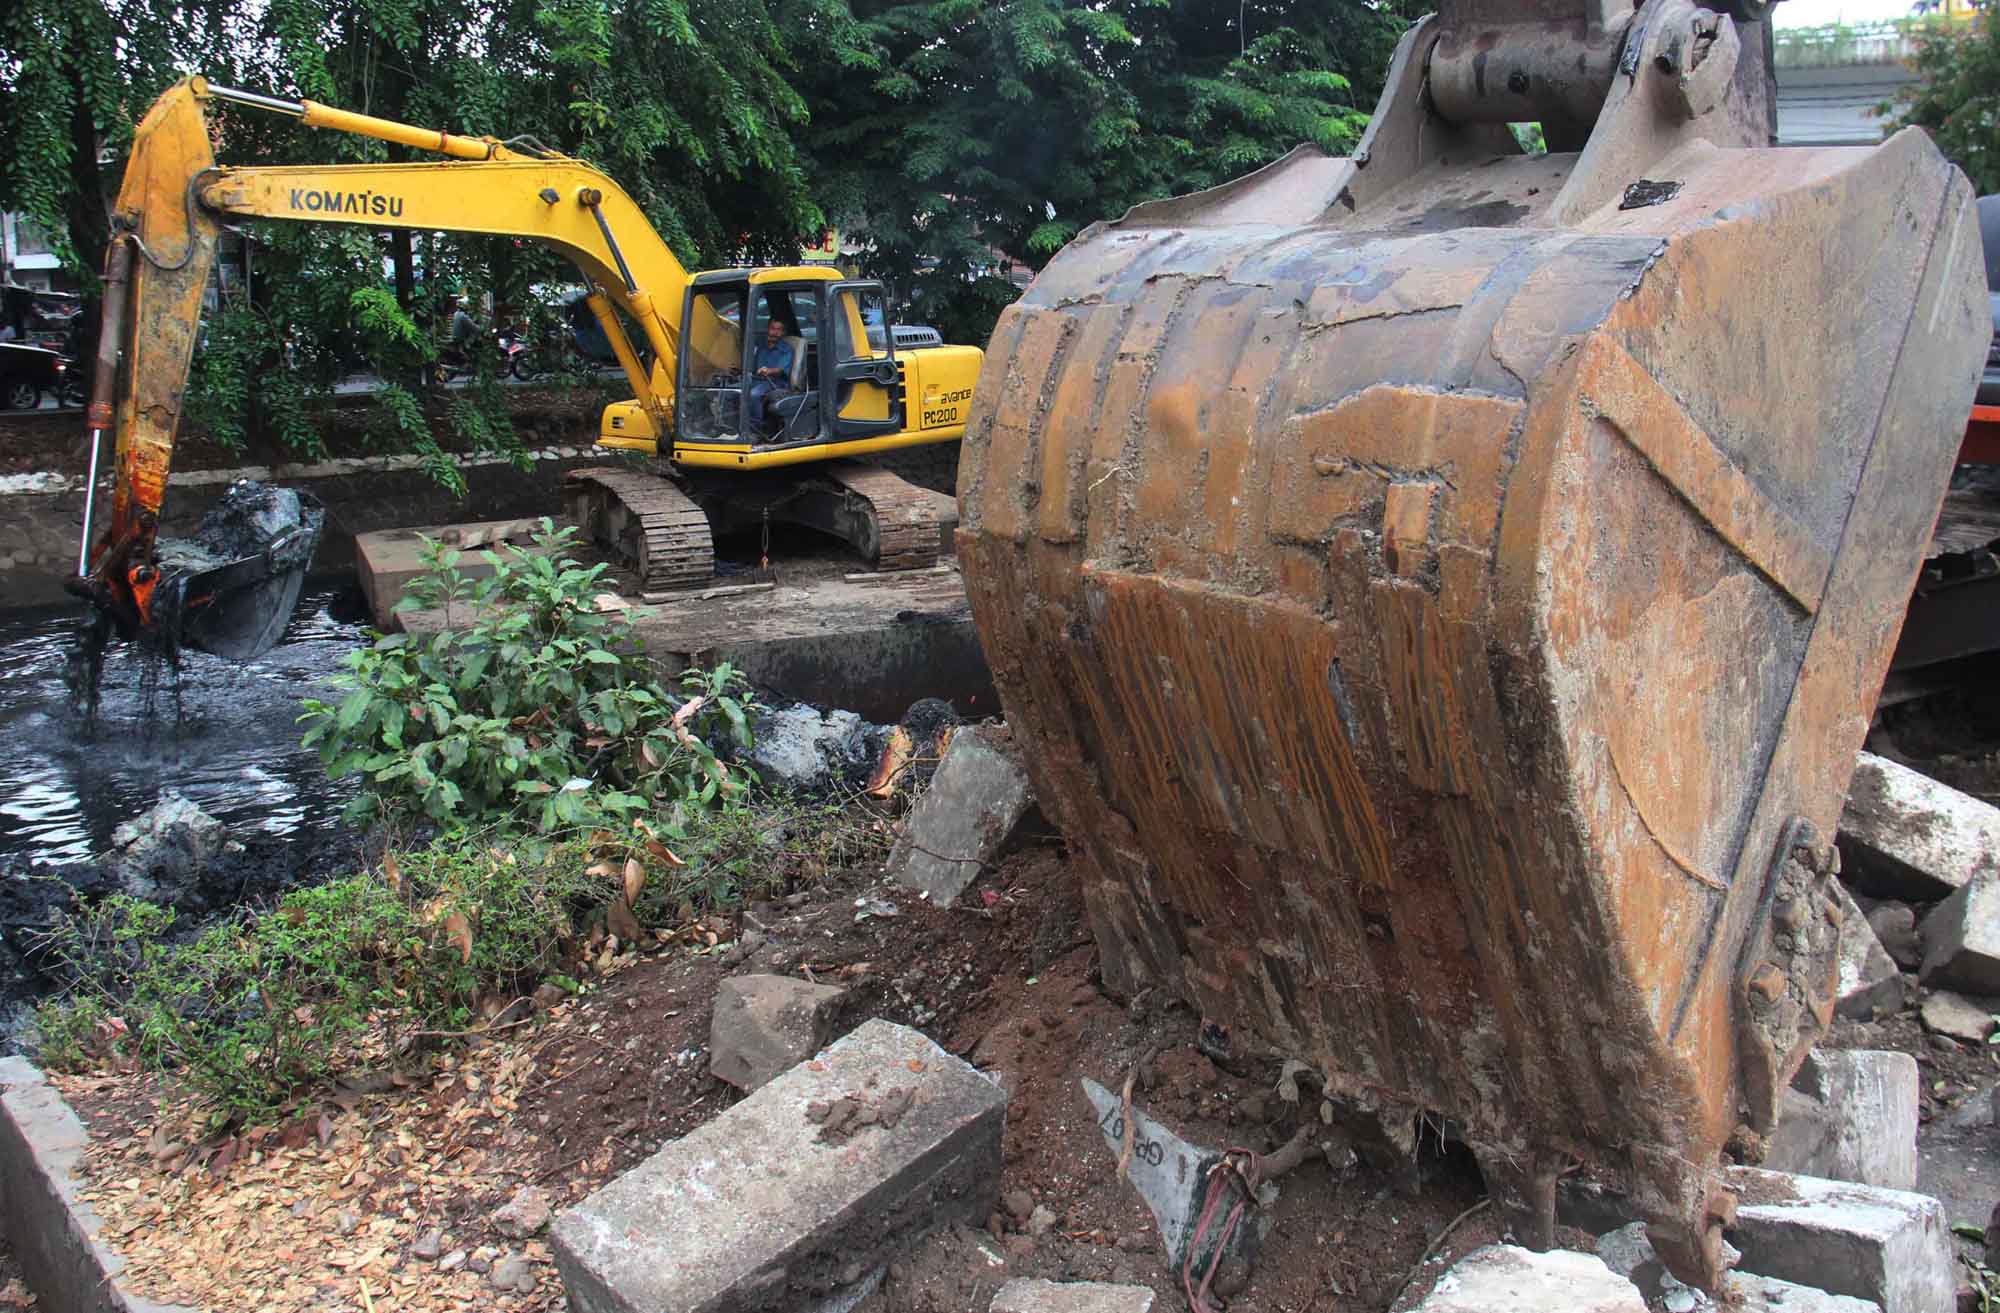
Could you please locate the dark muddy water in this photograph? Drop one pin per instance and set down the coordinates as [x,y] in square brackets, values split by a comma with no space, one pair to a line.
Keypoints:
[223,734]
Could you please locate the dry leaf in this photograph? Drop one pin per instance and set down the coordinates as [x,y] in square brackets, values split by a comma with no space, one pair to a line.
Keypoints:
[393,871]
[664,853]
[602,870]
[458,930]
[635,880]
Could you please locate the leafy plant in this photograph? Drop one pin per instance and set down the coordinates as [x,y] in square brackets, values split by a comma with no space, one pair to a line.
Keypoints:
[539,710]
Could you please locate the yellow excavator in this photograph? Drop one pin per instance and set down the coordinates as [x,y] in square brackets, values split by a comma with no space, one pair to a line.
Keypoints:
[812,443]
[1440,592]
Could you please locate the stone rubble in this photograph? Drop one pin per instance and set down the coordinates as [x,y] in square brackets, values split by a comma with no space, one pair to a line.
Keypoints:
[159,854]
[1888,1246]
[1870,983]
[1026,1295]
[1850,1115]
[1955,1017]
[1507,1279]
[1962,939]
[978,807]
[1904,835]
[763,1025]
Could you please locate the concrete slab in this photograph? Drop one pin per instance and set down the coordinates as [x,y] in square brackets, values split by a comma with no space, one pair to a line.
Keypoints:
[1745,1292]
[388,559]
[767,1208]
[976,807]
[762,1026]
[872,644]
[1027,1295]
[52,1231]
[1889,1246]
[1850,1115]
[1956,1017]
[1870,983]
[1904,835]
[1962,939]
[1507,1279]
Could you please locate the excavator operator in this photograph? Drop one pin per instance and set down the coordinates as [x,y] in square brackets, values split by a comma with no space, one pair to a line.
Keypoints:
[773,369]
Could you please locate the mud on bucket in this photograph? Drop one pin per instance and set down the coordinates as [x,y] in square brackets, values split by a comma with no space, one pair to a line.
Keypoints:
[230,589]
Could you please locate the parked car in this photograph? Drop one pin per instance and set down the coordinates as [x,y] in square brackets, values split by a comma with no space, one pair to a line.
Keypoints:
[27,373]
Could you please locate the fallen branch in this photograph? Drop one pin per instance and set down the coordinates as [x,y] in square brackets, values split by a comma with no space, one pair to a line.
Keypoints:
[1289,1156]
[1417,1267]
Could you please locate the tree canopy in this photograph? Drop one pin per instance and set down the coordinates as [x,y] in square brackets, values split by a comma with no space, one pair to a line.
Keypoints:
[1957,95]
[948,137]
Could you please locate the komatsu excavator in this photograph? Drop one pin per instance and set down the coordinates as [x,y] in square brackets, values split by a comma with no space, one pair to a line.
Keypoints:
[861,394]
[1440,592]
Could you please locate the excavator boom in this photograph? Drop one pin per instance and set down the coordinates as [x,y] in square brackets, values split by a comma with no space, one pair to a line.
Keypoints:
[1442,590]
[167,219]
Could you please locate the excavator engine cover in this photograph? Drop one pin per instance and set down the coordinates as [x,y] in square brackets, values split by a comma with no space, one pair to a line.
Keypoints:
[1442,591]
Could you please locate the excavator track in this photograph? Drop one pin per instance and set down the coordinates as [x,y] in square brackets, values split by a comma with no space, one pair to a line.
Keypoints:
[909,521]
[652,526]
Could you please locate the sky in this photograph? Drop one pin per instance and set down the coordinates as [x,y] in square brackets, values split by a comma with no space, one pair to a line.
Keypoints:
[1818,13]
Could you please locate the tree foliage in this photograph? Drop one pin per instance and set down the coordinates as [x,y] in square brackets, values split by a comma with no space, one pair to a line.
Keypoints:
[953,137]
[1956,97]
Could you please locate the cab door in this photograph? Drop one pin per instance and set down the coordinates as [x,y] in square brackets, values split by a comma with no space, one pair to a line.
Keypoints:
[858,364]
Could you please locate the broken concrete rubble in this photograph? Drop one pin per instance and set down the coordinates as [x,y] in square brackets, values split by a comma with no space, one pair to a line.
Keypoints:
[1850,1115]
[1955,1017]
[763,1025]
[978,806]
[1629,1253]
[1507,1279]
[1869,984]
[803,747]
[1889,1246]
[1962,939]
[1904,835]
[1025,1295]
[756,1211]
[1895,926]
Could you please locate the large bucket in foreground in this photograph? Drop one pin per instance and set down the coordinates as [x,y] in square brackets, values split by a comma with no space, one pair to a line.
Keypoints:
[1441,602]
[230,590]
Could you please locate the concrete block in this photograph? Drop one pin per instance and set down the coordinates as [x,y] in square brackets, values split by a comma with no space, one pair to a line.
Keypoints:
[1851,1115]
[386,561]
[1962,939]
[1904,835]
[764,1025]
[1507,1279]
[814,1179]
[1629,1253]
[1026,1295]
[1888,1246]
[977,805]
[1870,983]
[54,1233]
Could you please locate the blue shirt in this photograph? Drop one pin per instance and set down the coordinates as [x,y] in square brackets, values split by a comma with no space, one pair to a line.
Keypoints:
[777,357]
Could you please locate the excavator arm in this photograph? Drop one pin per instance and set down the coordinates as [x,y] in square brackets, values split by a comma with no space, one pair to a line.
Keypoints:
[170,211]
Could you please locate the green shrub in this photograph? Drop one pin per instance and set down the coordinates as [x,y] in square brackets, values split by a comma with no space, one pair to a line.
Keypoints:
[256,1007]
[541,712]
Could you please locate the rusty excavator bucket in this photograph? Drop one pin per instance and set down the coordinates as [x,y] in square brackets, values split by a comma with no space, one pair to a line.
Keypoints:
[230,588]
[1442,591]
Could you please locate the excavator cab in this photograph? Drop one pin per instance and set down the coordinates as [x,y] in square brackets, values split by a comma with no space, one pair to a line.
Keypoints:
[845,383]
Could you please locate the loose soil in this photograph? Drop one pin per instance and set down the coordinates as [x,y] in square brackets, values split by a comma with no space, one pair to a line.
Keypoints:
[301,1215]
[14,1292]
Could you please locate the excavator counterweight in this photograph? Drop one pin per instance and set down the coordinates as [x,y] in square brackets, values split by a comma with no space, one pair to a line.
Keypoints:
[1442,591]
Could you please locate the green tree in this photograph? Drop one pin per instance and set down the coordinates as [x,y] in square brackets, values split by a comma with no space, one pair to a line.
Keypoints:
[971,130]
[1956,97]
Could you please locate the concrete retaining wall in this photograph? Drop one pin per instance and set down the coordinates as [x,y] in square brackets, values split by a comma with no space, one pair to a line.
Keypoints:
[54,1233]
